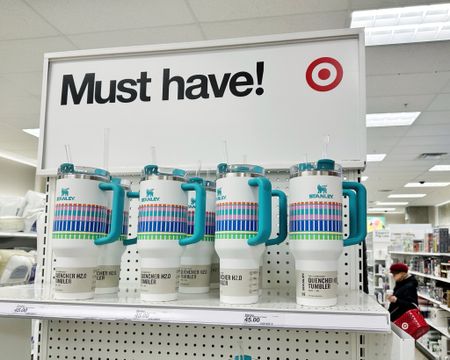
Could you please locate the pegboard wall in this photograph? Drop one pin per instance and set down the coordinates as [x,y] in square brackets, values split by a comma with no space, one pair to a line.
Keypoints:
[89,340]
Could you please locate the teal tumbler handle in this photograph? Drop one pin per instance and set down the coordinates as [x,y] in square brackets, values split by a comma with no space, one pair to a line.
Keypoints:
[199,215]
[357,212]
[264,210]
[116,213]
[282,218]
[131,195]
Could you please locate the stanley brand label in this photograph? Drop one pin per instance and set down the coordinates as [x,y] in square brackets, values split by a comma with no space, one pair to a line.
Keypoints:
[75,280]
[317,284]
[195,275]
[239,282]
[108,276]
[159,281]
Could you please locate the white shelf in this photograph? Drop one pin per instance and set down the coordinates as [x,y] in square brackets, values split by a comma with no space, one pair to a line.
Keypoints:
[418,253]
[441,329]
[430,299]
[429,276]
[21,235]
[355,311]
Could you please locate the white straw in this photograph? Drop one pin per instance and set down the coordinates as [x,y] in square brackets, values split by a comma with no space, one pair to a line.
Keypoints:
[326,142]
[68,154]
[225,147]
[106,149]
[154,155]
[199,168]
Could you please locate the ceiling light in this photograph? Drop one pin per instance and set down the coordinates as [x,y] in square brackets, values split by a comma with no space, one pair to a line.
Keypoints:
[391,119]
[400,203]
[428,184]
[364,178]
[380,209]
[34,132]
[375,157]
[17,158]
[440,168]
[406,196]
[404,25]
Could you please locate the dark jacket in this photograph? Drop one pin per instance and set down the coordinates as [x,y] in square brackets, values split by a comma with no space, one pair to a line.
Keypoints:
[406,293]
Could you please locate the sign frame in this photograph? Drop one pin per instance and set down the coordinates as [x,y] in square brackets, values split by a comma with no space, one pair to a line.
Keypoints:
[199,46]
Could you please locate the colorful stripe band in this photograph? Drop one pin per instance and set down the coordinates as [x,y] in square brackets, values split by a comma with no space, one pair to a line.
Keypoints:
[84,218]
[162,218]
[315,217]
[237,216]
[315,236]
[235,235]
[161,236]
[210,222]
[77,235]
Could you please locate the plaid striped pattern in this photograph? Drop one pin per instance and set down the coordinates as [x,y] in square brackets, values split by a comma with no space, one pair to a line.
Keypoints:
[236,216]
[162,218]
[83,218]
[315,220]
[210,222]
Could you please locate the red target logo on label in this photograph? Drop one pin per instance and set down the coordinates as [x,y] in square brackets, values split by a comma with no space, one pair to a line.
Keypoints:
[324,74]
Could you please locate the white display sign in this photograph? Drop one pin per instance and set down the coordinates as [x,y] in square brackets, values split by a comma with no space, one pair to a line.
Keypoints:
[273,100]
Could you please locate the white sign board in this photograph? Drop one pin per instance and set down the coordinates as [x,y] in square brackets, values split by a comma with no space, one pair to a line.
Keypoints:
[272,99]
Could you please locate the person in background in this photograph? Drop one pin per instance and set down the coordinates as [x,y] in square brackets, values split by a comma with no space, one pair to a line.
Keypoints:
[405,296]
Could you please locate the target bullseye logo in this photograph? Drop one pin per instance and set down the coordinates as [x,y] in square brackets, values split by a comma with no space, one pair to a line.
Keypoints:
[324,74]
[405,326]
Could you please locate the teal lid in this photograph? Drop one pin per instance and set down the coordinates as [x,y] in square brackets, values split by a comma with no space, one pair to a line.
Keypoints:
[208,184]
[321,167]
[240,168]
[151,169]
[325,164]
[67,169]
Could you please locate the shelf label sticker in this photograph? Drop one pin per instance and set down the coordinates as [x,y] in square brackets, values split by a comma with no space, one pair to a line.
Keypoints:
[146,315]
[262,319]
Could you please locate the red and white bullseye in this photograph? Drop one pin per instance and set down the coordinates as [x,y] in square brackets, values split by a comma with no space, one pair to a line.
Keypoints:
[324,74]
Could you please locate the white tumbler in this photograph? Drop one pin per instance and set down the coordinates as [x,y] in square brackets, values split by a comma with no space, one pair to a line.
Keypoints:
[108,270]
[162,229]
[316,227]
[215,271]
[195,270]
[243,225]
[80,227]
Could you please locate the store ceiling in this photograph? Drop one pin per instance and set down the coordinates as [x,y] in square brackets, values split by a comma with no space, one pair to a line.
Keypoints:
[413,77]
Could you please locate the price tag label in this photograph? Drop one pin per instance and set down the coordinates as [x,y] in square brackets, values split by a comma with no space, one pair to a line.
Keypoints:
[145,315]
[262,319]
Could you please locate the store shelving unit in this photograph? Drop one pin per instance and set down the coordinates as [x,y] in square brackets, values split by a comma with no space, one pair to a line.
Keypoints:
[17,235]
[441,329]
[438,278]
[277,308]
[410,253]
[436,302]
[10,240]
[427,352]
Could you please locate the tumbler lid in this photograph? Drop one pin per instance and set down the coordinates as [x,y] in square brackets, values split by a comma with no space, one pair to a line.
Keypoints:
[152,170]
[67,170]
[243,169]
[321,167]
